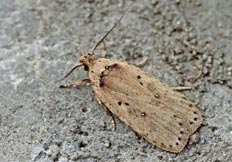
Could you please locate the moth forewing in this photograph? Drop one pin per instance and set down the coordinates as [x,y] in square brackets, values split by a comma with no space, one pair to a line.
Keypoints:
[151,108]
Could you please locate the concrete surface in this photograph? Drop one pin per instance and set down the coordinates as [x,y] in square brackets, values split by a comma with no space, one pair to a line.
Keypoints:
[187,42]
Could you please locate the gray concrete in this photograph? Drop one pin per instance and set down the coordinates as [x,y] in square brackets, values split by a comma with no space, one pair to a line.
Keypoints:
[187,44]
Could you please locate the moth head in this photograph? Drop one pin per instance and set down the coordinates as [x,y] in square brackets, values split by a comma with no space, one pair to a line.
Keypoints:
[86,59]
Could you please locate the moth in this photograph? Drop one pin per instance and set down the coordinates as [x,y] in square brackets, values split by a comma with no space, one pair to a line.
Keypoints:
[160,114]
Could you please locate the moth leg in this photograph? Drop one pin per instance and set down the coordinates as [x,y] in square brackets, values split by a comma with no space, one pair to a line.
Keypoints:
[143,62]
[113,121]
[108,112]
[75,83]
[103,50]
[181,88]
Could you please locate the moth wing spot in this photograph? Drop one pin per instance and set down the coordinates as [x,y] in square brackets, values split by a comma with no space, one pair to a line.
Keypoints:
[157,95]
[143,114]
[195,119]
[101,82]
[138,77]
[179,138]
[177,143]
[119,103]
[127,104]
[141,83]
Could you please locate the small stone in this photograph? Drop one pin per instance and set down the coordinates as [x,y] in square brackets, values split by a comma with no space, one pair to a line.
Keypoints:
[194,139]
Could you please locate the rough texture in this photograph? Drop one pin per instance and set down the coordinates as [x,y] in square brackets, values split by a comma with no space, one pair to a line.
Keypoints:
[187,44]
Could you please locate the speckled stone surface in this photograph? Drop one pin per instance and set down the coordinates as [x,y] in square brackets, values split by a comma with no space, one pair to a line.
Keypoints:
[188,43]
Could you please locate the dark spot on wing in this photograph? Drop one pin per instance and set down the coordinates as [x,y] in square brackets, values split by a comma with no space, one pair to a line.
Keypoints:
[101,82]
[157,95]
[119,103]
[127,104]
[143,114]
[106,72]
[138,77]
[111,67]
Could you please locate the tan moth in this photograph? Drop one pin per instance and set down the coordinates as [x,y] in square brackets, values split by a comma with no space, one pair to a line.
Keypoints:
[154,110]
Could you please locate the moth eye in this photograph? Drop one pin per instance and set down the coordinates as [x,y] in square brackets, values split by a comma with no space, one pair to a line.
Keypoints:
[86,68]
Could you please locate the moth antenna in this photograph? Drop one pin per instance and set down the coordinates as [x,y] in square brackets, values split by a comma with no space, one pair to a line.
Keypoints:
[70,71]
[100,41]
